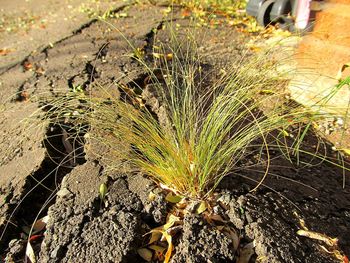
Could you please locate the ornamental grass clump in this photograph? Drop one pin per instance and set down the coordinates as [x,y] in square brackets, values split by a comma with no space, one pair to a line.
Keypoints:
[198,128]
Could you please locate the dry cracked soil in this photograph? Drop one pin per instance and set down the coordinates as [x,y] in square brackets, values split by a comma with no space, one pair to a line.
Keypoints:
[79,228]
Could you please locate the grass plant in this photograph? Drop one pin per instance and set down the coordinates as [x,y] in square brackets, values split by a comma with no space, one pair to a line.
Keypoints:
[201,125]
[200,129]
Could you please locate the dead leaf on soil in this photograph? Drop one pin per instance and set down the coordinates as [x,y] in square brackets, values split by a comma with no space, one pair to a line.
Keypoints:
[155,236]
[165,187]
[182,205]
[40,71]
[173,198]
[202,207]
[173,230]
[24,95]
[30,256]
[40,224]
[34,238]
[336,254]
[156,248]
[168,239]
[164,233]
[27,65]
[186,13]
[172,219]
[318,236]
[170,247]
[332,243]
[214,218]
[6,51]
[145,253]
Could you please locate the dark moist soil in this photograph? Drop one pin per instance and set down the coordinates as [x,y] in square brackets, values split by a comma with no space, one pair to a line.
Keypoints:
[82,229]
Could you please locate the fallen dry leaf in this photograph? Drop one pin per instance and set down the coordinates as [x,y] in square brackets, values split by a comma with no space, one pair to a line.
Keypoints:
[186,13]
[27,65]
[30,256]
[173,198]
[34,238]
[168,239]
[40,71]
[40,224]
[202,207]
[173,230]
[170,247]
[172,219]
[157,248]
[5,51]
[318,236]
[24,95]
[155,236]
[145,253]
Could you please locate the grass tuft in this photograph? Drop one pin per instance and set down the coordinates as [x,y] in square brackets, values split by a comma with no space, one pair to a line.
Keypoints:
[186,125]
[199,130]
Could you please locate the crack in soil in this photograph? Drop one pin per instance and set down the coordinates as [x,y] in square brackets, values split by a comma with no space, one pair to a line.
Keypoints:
[39,190]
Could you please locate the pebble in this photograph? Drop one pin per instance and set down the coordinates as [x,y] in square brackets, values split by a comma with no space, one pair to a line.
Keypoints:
[225,199]
[329,125]
[16,246]
[55,252]
[63,192]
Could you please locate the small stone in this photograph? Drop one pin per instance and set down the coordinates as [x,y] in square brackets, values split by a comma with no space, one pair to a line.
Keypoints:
[225,199]
[16,246]
[55,252]
[63,192]
[113,211]
[339,122]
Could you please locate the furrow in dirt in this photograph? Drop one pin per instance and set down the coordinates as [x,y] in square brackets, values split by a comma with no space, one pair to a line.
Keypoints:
[38,192]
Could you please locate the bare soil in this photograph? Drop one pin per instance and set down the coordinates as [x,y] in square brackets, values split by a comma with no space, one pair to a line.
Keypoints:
[80,229]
